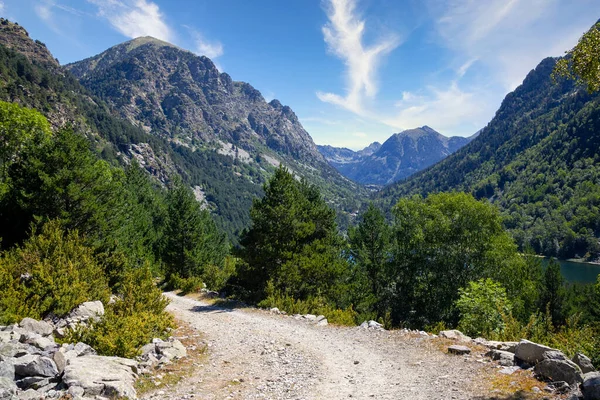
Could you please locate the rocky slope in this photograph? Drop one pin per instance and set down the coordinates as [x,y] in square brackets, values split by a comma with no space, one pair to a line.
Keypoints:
[400,156]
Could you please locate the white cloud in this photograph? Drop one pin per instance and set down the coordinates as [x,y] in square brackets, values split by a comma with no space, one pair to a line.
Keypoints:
[1,7]
[204,47]
[135,18]
[510,37]
[343,35]
[43,11]
[443,109]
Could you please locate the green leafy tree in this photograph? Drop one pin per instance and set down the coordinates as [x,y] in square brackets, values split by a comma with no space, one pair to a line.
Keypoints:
[370,250]
[553,293]
[20,127]
[192,239]
[483,306]
[440,244]
[582,63]
[292,243]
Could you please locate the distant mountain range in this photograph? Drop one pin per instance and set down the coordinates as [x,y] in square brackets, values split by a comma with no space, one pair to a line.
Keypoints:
[402,155]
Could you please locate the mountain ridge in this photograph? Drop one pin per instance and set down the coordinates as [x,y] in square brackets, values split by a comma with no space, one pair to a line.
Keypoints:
[400,156]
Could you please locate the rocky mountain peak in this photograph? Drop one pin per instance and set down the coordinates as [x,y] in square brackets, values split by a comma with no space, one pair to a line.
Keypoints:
[14,36]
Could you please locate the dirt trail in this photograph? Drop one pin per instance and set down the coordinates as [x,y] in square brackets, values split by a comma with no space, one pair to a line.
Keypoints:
[253,354]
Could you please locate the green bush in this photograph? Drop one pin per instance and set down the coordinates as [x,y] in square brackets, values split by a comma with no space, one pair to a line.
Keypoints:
[481,305]
[192,284]
[134,319]
[215,277]
[52,273]
[313,305]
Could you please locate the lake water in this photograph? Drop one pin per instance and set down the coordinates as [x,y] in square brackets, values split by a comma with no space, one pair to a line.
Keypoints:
[578,271]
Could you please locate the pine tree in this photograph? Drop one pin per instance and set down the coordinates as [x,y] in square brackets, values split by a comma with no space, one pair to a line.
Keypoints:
[553,293]
[293,242]
[192,239]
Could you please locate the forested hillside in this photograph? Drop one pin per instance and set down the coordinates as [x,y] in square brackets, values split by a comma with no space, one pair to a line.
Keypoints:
[538,160]
[225,177]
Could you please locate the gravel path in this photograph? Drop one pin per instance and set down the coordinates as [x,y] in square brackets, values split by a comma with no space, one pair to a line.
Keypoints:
[253,354]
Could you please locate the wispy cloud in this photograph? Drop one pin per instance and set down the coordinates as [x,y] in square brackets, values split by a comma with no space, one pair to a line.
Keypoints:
[2,7]
[444,109]
[509,37]
[135,18]
[344,34]
[204,47]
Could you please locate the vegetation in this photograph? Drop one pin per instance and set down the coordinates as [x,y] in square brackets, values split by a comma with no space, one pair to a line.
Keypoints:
[582,63]
[537,160]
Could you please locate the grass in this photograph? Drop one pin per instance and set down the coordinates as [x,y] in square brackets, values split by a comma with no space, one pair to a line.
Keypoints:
[170,375]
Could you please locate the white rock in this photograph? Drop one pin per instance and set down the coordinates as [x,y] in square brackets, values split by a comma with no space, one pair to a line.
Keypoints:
[87,310]
[40,327]
[530,352]
[35,365]
[454,334]
[104,376]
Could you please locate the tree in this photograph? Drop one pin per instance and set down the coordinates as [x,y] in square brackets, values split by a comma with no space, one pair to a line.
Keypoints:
[62,179]
[192,239]
[440,244]
[553,292]
[292,243]
[482,305]
[582,63]
[19,127]
[371,252]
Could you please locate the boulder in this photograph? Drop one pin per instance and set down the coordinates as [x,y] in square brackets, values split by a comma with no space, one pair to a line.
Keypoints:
[9,350]
[171,350]
[5,337]
[584,363]
[323,322]
[7,368]
[8,388]
[364,325]
[455,335]
[459,350]
[310,317]
[591,386]
[504,358]
[148,348]
[42,328]
[102,376]
[87,310]
[83,349]
[35,365]
[530,352]
[37,340]
[60,360]
[559,370]
[554,355]
[375,325]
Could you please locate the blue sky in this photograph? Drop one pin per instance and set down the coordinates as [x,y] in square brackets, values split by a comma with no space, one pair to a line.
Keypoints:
[354,71]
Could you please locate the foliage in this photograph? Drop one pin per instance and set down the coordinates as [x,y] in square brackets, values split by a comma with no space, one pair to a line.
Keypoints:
[52,273]
[293,243]
[440,244]
[193,284]
[370,252]
[134,319]
[192,239]
[313,305]
[481,305]
[537,160]
[553,292]
[216,277]
[19,128]
[583,61]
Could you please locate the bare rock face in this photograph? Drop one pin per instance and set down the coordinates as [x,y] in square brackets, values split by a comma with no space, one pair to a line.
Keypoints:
[559,370]
[530,352]
[42,328]
[102,376]
[455,335]
[584,363]
[35,365]
[591,386]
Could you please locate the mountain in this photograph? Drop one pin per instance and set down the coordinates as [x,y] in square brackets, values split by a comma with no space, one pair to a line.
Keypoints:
[538,160]
[176,114]
[400,156]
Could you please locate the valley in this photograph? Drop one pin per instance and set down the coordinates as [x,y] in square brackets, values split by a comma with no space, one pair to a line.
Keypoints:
[147,183]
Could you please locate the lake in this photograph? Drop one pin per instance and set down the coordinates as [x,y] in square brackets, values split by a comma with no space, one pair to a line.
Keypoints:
[579,271]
